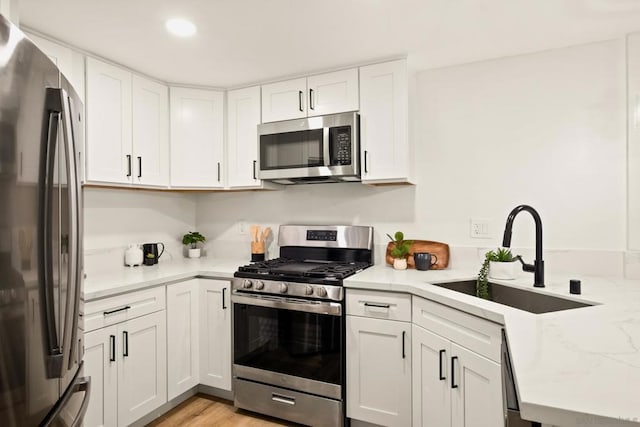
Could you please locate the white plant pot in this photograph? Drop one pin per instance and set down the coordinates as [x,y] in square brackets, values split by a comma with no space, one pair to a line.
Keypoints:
[400,263]
[194,253]
[503,270]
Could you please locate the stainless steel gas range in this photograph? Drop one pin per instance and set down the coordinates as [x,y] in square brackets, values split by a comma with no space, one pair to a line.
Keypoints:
[289,324]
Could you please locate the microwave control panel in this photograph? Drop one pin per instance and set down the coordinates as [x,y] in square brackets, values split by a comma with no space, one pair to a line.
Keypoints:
[340,145]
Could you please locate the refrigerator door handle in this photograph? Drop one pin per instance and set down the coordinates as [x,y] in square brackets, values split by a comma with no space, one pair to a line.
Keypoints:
[75,268]
[54,357]
[80,384]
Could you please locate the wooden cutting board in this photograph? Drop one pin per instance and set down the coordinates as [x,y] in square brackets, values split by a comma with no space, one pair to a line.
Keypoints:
[441,250]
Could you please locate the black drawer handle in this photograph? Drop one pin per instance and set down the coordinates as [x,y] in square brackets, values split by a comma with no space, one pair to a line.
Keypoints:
[224,304]
[453,372]
[106,313]
[441,371]
[377,305]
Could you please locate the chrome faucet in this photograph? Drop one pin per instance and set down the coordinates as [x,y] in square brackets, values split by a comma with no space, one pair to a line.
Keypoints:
[538,265]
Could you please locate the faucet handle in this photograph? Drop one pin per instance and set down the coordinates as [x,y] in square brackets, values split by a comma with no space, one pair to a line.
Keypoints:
[525,267]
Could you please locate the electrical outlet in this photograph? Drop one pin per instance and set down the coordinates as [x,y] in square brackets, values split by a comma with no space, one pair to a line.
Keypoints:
[480,228]
[242,226]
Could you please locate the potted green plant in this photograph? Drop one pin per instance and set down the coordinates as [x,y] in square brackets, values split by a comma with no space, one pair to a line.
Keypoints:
[192,239]
[498,264]
[400,250]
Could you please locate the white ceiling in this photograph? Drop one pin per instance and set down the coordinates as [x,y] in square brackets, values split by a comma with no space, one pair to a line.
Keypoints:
[247,41]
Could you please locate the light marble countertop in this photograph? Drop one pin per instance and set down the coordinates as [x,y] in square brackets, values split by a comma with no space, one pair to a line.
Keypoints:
[117,280]
[578,367]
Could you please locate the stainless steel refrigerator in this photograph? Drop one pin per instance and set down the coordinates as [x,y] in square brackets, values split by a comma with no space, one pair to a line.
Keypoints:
[41,272]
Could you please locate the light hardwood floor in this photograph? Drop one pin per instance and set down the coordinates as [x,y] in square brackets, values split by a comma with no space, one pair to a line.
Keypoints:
[201,410]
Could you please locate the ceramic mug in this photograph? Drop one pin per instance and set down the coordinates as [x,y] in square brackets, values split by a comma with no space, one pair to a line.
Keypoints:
[424,260]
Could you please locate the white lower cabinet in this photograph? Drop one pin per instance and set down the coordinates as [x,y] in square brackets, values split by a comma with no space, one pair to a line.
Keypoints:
[379,370]
[453,386]
[183,354]
[142,368]
[215,333]
[127,363]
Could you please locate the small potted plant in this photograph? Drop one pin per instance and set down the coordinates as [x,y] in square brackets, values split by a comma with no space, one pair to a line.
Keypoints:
[498,264]
[400,250]
[192,238]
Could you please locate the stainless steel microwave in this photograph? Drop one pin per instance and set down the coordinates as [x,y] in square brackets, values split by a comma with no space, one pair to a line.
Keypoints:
[311,150]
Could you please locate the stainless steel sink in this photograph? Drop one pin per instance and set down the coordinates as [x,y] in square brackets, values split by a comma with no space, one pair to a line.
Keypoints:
[522,299]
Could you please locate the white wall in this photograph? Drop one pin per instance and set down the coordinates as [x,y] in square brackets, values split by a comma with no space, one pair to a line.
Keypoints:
[115,218]
[546,129]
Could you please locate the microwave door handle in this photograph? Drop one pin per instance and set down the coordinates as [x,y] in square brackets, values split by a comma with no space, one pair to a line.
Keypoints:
[325,146]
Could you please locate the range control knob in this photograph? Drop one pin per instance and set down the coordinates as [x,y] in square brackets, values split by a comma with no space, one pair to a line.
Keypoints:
[259,284]
[322,292]
[283,288]
[308,290]
[246,284]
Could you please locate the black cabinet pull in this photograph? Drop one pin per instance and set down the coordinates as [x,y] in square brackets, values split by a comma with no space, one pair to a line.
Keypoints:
[218,171]
[126,307]
[112,348]
[441,371]
[366,154]
[125,346]
[453,371]
[224,304]
[139,167]
[254,169]
[300,100]
[373,304]
[404,356]
[311,99]
[128,165]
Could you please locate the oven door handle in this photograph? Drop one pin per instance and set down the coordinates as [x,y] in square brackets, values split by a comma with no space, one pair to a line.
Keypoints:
[330,308]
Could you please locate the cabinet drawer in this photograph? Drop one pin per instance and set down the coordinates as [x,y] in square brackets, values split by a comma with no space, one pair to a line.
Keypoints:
[382,305]
[109,311]
[476,334]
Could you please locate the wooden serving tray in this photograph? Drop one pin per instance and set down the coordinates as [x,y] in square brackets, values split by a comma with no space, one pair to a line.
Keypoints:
[441,250]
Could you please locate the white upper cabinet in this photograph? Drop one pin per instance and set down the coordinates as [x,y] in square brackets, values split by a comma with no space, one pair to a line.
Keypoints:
[333,92]
[243,118]
[197,137]
[127,122]
[384,138]
[284,100]
[328,93]
[150,133]
[109,124]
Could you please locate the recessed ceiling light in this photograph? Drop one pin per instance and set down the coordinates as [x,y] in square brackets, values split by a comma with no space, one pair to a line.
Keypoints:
[180,27]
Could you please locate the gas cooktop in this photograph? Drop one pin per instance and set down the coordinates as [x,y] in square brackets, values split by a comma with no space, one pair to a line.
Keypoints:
[306,271]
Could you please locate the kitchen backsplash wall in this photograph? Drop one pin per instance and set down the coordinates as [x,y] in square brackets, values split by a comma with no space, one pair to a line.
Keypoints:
[546,129]
[115,218]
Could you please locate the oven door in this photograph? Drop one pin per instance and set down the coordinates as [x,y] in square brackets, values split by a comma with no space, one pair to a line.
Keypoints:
[291,343]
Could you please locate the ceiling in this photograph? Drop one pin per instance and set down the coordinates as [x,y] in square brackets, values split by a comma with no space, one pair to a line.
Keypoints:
[240,42]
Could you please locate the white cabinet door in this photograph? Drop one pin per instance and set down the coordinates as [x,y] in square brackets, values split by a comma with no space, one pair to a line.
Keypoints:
[182,337]
[384,122]
[100,363]
[142,367]
[109,156]
[215,333]
[197,137]
[476,390]
[284,100]
[243,118]
[150,133]
[332,93]
[379,371]
[431,391]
